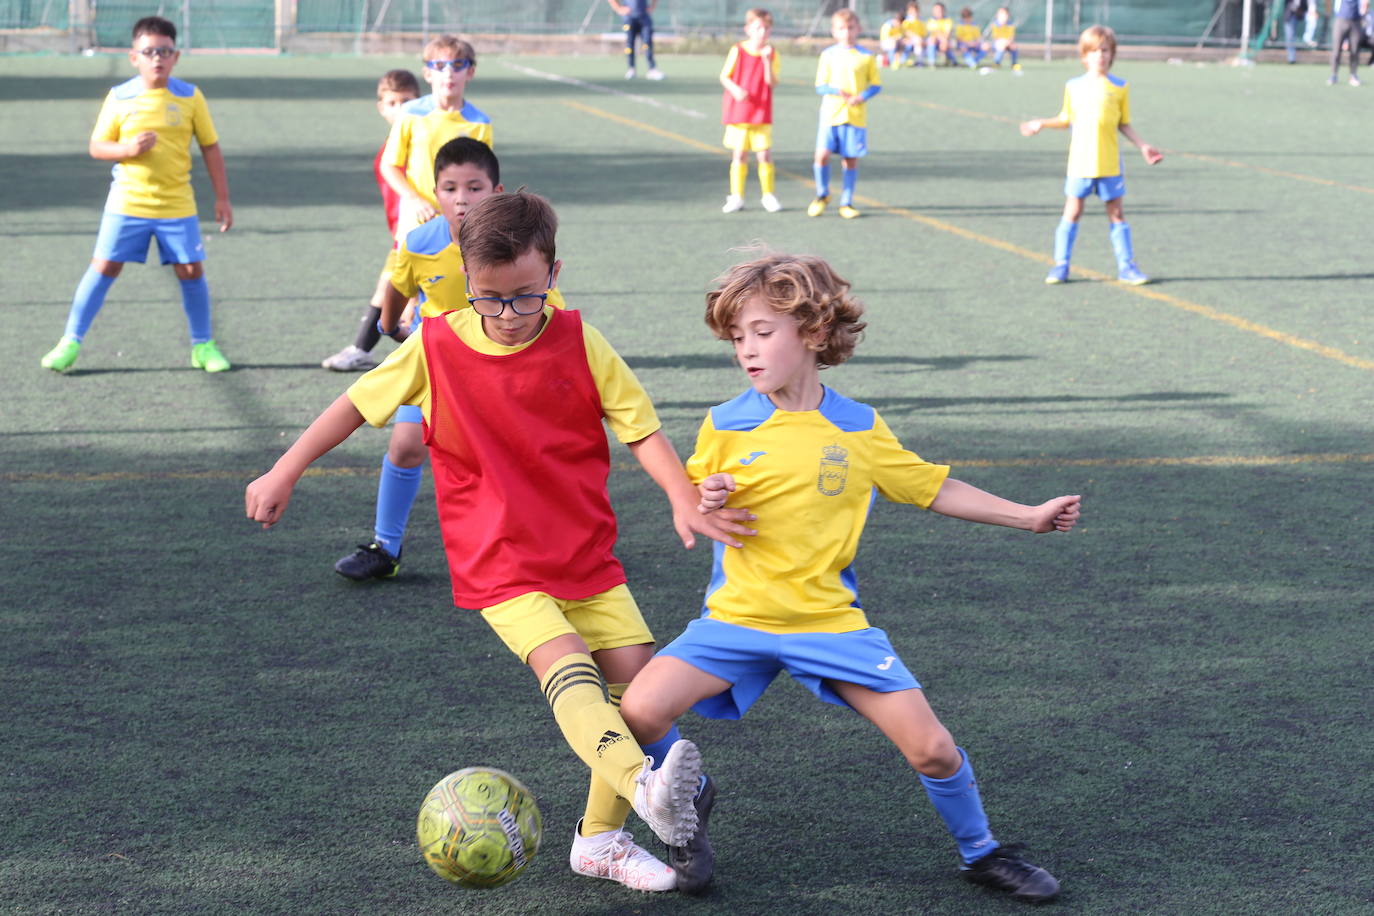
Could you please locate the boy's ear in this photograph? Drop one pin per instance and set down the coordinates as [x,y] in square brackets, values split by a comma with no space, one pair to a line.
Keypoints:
[557,268]
[499,189]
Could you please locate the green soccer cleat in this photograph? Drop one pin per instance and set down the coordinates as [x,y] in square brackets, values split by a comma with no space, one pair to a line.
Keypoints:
[207,356]
[61,357]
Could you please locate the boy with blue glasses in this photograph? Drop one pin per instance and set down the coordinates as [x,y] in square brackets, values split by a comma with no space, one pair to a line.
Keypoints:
[146,127]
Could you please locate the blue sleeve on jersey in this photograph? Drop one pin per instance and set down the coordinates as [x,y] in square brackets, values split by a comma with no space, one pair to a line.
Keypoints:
[430,237]
[869,93]
[474,115]
[827,90]
[180,88]
[850,416]
[746,412]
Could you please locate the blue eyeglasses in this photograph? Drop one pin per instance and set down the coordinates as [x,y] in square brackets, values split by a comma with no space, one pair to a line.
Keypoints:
[457,66]
[493,306]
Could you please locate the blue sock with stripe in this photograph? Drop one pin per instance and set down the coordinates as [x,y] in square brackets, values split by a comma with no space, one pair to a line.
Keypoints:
[1121,245]
[1064,236]
[396,490]
[659,749]
[195,302]
[851,180]
[822,173]
[86,303]
[960,807]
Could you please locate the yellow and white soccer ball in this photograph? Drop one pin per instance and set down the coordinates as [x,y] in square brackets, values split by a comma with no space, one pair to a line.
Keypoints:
[479,827]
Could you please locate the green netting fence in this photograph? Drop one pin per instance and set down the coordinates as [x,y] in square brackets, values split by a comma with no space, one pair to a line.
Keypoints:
[272,24]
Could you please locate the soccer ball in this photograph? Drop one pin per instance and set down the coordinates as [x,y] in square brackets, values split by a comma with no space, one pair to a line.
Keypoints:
[479,827]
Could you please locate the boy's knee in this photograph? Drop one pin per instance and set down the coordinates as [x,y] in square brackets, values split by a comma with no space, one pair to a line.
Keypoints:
[407,450]
[647,719]
[193,271]
[105,268]
[936,756]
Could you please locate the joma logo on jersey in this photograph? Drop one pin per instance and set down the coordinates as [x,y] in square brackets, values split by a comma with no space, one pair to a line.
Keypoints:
[834,470]
[434,279]
[608,739]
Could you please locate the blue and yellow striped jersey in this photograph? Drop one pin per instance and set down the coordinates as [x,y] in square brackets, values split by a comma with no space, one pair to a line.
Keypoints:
[810,476]
[1095,108]
[155,184]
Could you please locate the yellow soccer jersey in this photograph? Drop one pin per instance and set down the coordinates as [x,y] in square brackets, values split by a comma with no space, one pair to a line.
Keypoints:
[850,70]
[430,265]
[890,32]
[1095,108]
[914,27]
[810,476]
[403,378]
[1002,32]
[967,34]
[417,135]
[939,26]
[156,184]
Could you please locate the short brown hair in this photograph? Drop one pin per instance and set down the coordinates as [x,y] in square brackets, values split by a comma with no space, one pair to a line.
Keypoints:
[803,286]
[846,13]
[1098,36]
[758,12]
[503,227]
[398,81]
[452,44]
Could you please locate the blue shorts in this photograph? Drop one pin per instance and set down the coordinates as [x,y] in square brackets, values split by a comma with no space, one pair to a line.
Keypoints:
[408,413]
[843,139]
[1109,188]
[125,238]
[749,659]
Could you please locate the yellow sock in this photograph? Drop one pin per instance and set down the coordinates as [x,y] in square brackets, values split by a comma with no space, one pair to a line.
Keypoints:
[606,809]
[591,724]
[766,177]
[739,171]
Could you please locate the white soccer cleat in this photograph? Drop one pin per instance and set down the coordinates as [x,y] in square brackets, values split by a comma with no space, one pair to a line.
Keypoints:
[664,797]
[654,73]
[630,73]
[733,203]
[770,203]
[350,359]
[614,855]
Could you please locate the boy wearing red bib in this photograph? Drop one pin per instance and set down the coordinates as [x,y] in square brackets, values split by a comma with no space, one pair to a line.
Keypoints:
[513,393]
[750,72]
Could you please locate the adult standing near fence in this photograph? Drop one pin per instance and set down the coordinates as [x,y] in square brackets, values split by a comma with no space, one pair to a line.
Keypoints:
[1294,12]
[639,24]
[1345,29]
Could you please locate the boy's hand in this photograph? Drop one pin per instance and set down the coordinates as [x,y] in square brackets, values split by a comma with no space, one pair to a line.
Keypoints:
[407,318]
[724,525]
[739,93]
[266,498]
[1059,514]
[715,490]
[424,210]
[1031,128]
[224,215]
[142,143]
[1152,155]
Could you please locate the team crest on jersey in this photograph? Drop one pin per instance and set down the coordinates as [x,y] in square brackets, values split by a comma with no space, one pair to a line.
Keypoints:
[834,470]
[173,115]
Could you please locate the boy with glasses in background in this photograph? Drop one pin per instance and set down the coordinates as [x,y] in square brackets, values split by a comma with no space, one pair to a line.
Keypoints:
[145,127]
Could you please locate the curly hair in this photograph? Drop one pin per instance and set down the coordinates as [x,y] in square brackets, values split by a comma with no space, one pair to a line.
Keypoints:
[802,286]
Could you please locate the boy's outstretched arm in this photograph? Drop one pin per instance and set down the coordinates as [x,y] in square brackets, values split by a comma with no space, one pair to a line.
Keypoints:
[960,500]
[1151,154]
[655,453]
[1035,125]
[266,498]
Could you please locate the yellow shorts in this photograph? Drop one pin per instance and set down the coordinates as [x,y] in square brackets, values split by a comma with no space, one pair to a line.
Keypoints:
[388,267]
[605,621]
[752,138]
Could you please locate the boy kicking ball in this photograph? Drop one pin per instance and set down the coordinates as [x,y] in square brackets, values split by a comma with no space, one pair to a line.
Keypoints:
[1096,107]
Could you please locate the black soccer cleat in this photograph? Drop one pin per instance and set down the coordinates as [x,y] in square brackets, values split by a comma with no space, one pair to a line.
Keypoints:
[1006,869]
[371,561]
[694,862]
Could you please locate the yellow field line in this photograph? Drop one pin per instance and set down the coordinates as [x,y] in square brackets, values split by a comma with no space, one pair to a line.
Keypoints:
[1161,461]
[1205,311]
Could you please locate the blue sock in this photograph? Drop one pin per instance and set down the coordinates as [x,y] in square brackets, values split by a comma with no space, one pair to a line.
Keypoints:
[1121,244]
[822,173]
[90,296]
[1064,236]
[851,179]
[659,749]
[997,58]
[396,490]
[956,799]
[1013,52]
[195,302]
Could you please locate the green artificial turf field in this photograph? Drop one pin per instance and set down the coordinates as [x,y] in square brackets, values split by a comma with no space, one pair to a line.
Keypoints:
[1170,705]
